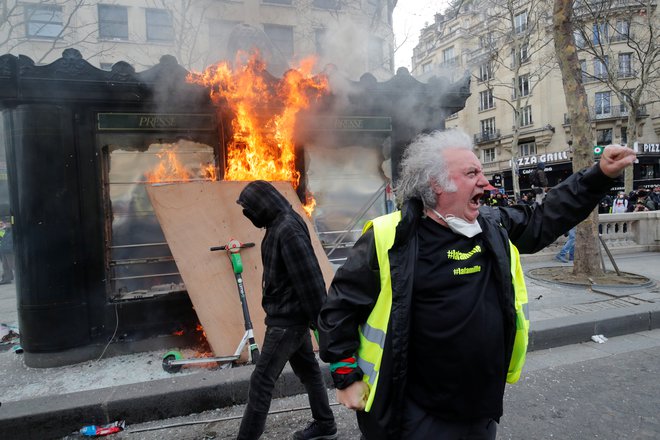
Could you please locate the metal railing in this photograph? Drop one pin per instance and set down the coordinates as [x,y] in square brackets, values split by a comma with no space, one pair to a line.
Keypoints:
[609,112]
[487,136]
[338,242]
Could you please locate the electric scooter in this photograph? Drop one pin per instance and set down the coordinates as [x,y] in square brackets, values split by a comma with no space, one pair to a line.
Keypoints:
[173,360]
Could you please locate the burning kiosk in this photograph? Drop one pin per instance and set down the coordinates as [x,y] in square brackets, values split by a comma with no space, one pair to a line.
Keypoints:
[80,143]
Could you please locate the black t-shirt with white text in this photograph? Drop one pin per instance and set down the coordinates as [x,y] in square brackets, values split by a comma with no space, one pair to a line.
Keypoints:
[456,357]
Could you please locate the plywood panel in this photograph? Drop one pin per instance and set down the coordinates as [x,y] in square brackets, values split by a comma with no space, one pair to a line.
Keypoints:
[198,215]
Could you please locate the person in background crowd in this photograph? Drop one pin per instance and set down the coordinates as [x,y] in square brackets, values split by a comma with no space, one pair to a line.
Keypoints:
[498,200]
[426,320]
[605,205]
[566,253]
[632,200]
[644,203]
[655,197]
[6,252]
[620,203]
[539,182]
[526,199]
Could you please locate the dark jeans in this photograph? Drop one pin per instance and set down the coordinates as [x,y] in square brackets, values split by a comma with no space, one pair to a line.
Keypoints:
[419,425]
[282,344]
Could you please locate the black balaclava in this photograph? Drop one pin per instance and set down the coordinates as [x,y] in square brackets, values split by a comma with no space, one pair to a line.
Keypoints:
[262,203]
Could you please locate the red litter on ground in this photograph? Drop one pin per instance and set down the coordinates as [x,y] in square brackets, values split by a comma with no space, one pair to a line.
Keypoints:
[97,431]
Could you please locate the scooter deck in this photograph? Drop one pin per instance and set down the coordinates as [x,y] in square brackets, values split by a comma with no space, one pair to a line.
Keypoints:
[202,360]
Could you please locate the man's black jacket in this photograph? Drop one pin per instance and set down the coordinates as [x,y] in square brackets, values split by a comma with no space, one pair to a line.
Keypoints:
[293,285]
[356,285]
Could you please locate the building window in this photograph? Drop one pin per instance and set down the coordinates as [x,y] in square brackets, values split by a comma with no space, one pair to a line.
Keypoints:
[625,65]
[113,22]
[489,155]
[375,53]
[578,37]
[278,2]
[624,135]
[519,57]
[448,57]
[523,86]
[374,3]
[602,103]
[583,68]
[486,71]
[327,4]
[604,136]
[647,171]
[487,41]
[159,25]
[526,116]
[219,32]
[622,30]
[427,67]
[43,21]
[132,268]
[625,96]
[487,127]
[600,33]
[520,22]
[282,38]
[319,41]
[486,100]
[600,67]
[527,148]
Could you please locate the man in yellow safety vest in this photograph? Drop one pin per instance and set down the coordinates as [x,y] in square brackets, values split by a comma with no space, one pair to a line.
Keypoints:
[427,319]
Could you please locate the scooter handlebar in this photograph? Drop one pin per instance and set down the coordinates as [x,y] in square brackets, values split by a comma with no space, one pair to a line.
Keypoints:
[228,247]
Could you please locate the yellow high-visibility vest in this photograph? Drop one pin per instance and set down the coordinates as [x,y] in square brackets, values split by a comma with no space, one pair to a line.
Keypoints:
[374,330]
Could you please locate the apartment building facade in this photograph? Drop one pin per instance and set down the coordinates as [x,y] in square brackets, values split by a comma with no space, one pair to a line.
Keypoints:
[510,54]
[355,35]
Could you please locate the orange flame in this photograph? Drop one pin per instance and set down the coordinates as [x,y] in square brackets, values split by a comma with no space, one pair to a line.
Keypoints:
[310,204]
[264,111]
[210,172]
[199,328]
[170,168]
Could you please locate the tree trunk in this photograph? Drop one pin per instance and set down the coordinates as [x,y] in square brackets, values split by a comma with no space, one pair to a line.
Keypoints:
[586,237]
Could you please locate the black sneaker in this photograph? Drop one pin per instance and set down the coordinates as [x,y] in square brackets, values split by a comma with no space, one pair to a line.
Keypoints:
[316,431]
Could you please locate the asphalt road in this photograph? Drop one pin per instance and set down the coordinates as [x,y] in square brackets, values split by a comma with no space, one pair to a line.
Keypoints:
[584,391]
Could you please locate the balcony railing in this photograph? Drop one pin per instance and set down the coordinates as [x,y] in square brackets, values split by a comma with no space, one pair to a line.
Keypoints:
[614,111]
[608,112]
[590,7]
[621,37]
[452,62]
[622,73]
[488,136]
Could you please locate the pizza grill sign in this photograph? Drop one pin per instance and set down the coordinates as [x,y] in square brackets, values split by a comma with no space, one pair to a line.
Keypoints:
[646,148]
[545,158]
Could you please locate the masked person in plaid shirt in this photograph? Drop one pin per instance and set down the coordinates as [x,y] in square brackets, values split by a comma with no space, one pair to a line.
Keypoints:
[293,292]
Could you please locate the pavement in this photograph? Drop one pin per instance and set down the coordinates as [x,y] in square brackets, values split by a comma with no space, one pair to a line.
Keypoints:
[53,402]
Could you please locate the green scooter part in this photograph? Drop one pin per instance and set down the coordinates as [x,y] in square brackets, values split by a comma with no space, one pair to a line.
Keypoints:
[171,356]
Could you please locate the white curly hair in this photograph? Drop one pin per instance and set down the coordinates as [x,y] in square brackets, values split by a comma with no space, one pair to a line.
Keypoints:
[423,164]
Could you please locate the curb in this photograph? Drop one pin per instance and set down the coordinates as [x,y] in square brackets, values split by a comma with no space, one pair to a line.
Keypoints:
[53,417]
[551,333]
[58,416]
